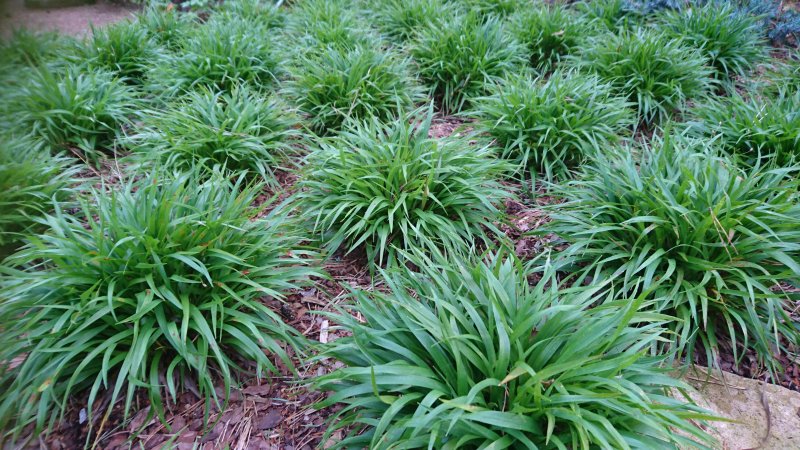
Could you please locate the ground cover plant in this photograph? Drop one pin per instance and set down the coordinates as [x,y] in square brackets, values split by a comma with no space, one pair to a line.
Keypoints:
[321,23]
[733,43]
[75,110]
[390,187]
[708,239]
[447,359]
[754,128]
[240,131]
[335,84]
[422,223]
[166,27]
[552,125]
[656,72]
[401,19]
[125,49]
[220,54]
[549,32]
[459,57]
[31,181]
[157,280]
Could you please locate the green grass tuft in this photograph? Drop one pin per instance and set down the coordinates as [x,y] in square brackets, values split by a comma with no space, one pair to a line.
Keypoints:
[30,180]
[154,285]
[240,131]
[391,187]
[549,32]
[125,49]
[471,355]
[402,19]
[754,128]
[459,57]
[732,42]
[335,84]
[76,110]
[708,241]
[220,54]
[658,73]
[318,24]
[553,125]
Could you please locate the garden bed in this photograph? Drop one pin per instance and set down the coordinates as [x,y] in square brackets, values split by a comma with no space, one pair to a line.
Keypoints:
[425,222]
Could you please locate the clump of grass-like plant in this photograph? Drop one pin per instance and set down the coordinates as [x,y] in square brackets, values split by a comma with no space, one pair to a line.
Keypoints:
[609,15]
[240,130]
[31,180]
[390,187]
[457,58]
[337,84]
[732,42]
[154,285]
[471,355]
[25,48]
[753,128]
[75,110]
[166,26]
[654,71]
[125,49]
[549,32]
[494,7]
[259,12]
[552,125]
[781,77]
[709,241]
[318,24]
[401,19]
[220,54]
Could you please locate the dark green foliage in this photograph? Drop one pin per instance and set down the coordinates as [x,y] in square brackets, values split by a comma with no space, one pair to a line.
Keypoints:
[549,32]
[30,180]
[781,77]
[609,14]
[401,19]
[259,12]
[82,111]
[471,355]
[552,125]
[459,57]
[654,71]
[753,128]
[732,43]
[708,241]
[27,48]
[167,27]
[241,131]
[154,285]
[317,24]
[391,186]
[336,84]
[220,54]
[494,7]
[125,49]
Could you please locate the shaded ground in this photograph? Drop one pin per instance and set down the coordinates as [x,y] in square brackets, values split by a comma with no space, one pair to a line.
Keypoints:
[74,20]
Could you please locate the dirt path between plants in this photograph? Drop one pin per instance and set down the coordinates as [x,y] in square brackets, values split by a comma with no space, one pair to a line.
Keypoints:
[74,20]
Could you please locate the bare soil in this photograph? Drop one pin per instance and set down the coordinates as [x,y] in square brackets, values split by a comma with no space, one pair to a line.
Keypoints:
[73,20]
